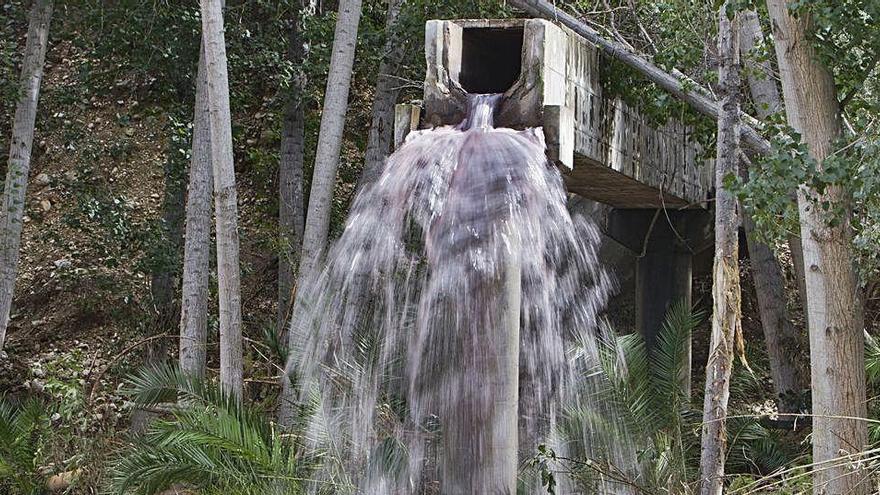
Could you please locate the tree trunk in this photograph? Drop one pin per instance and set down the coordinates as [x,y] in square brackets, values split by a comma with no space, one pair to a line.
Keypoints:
[291,204]
[725,286]
[20,155]
[835,316]
[225,199]
[197,245]
[330,136]
[780,335]
[326,163]
[381,135]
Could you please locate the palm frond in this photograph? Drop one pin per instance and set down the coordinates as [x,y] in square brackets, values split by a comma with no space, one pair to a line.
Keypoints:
[23,427]
[670,361]
[212,442]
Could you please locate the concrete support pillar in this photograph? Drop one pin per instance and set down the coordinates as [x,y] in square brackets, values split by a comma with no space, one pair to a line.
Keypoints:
[664,243]
[480,433]
[663,275]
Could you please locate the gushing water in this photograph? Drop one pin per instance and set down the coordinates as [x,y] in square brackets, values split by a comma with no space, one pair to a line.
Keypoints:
[453,329]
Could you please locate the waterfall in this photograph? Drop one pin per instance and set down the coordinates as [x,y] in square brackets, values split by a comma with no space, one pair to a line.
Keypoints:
[454,326]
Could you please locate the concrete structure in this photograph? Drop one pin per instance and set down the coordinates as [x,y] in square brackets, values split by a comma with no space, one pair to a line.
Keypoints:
[651,177]
[608,152]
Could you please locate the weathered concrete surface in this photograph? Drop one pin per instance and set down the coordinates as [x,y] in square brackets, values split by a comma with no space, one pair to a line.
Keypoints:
[607,150]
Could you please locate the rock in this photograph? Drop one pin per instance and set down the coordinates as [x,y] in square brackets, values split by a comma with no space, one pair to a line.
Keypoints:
[46,205]
[43,180]
[70,175]
[129,132]
[62,263]
[60,482]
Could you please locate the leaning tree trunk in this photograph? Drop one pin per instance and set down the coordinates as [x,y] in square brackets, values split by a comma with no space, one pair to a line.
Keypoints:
[780,335]
[381,135]
[197,244]
[225,199]
[291,204]
[20,155]
[330,136]
[835,315]
[326,163]
[725,286]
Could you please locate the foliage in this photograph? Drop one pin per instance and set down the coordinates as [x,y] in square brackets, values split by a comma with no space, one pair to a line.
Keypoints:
[211,442]
[24,428]
[653,388]
[648,390]
[854,167]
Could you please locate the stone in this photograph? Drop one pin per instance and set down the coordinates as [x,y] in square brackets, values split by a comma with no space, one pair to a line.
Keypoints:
[59,483]
[46,205]
[43,180]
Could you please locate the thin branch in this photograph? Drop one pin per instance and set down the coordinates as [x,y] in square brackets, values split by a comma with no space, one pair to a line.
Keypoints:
[858,87]
[119,356]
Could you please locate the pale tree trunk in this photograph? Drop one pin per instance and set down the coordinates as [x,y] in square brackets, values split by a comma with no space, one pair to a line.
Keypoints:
[326,163]
[780,335]
[725,286]
[291,204]
[20,155]
[225,199]
[767,102]
[381,135]
[330,136]
[197,244]
[835,315]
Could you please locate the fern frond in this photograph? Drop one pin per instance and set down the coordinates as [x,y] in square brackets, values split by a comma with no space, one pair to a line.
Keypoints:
[670,362]
[212,443]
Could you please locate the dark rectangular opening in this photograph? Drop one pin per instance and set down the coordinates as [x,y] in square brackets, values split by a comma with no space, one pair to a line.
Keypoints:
[491,59]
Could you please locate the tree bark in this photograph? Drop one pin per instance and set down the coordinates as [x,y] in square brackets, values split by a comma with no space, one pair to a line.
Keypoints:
[330,136]
[20,146]
[695,96]
[835,314]
[326,163]
[225,199]
[197,244]
[291,204]
[381,135]
[780,335]
[725,286]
